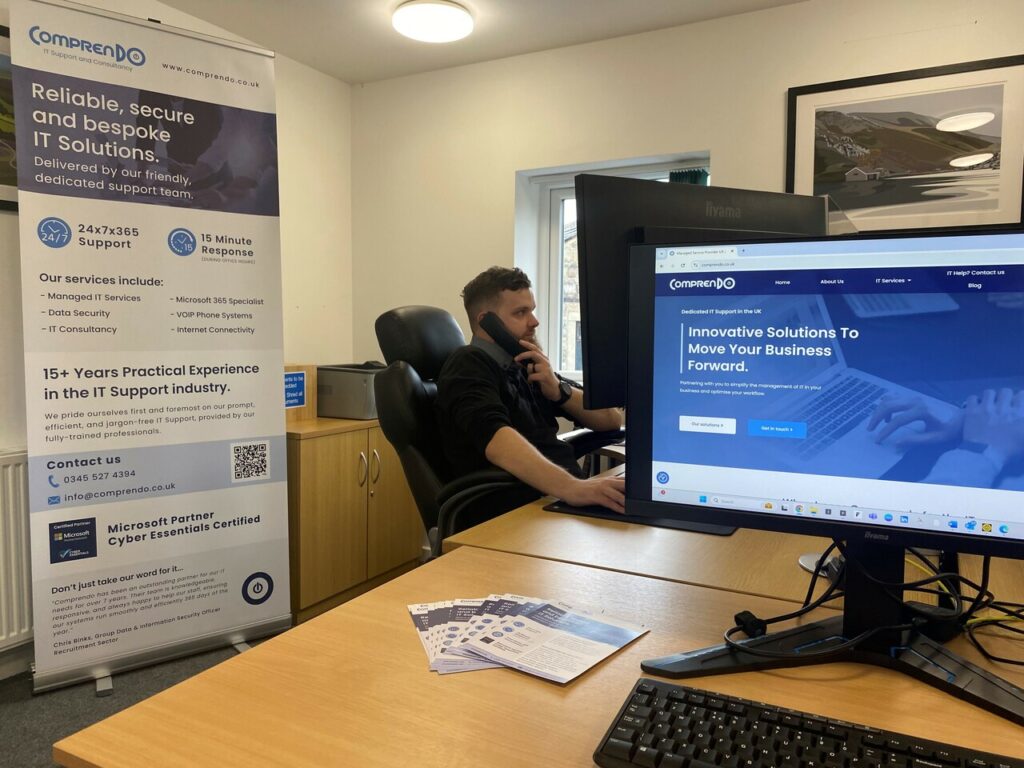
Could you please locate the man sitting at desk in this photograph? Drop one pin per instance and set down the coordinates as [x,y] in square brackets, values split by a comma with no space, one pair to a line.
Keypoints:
[498,409]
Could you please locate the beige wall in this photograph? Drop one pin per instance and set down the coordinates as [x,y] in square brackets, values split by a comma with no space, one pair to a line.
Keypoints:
[314,138]
[314,129]
[434,156]
[398,192]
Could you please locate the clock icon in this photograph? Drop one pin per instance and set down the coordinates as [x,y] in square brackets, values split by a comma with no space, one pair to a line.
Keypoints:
[181,242]
[54,232]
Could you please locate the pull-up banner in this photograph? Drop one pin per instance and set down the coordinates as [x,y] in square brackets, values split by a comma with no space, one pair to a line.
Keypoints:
[151,284]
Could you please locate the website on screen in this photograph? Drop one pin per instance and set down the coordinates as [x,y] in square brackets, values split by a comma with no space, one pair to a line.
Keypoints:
[879,381]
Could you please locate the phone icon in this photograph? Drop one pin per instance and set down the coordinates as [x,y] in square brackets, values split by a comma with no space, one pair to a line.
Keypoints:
[53,483]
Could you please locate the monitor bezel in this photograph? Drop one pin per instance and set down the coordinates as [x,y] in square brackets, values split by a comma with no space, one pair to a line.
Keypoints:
[639,409]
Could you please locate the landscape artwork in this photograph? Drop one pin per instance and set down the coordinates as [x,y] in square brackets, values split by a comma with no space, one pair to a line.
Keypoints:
[918,154]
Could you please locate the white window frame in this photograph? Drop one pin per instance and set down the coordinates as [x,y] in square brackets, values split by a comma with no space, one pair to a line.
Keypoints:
[551,190]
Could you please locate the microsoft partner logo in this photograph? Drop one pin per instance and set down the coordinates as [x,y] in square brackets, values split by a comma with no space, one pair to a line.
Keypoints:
[718,283]
[115,51]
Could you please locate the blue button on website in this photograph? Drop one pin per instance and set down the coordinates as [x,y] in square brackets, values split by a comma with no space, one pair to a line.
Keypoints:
[762,428]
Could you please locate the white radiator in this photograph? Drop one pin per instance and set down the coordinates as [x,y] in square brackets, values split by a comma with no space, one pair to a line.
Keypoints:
[15,573]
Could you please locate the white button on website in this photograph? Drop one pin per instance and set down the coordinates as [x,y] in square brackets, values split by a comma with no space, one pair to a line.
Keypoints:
[717,426]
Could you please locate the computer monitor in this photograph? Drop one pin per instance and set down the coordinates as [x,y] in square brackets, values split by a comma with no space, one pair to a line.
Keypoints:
[611,212]
[867,389]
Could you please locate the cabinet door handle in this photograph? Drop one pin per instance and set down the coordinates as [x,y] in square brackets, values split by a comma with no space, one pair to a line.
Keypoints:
[375,476]
[363,469]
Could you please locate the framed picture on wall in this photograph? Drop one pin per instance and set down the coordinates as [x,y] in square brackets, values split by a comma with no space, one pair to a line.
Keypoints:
[937,147]
[8,168]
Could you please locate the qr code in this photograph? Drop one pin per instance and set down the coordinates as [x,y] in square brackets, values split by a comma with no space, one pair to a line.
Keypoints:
[250,461]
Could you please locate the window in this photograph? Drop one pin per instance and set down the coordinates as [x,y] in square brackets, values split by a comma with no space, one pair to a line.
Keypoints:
[555,265]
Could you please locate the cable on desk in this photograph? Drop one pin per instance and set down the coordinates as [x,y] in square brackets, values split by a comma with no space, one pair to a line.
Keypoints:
[1014,613]
[747,620]
[894,590]
[948,585]
[819,567]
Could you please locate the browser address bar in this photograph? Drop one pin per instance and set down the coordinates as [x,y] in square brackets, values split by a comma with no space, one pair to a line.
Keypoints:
[691,262]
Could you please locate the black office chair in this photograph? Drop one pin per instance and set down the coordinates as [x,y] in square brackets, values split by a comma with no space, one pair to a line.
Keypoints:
[416,341]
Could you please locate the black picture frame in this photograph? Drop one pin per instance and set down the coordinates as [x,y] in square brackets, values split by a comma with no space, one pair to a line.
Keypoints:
[899,127]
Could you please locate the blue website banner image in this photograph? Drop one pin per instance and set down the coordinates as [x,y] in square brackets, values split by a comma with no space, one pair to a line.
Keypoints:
[810,382]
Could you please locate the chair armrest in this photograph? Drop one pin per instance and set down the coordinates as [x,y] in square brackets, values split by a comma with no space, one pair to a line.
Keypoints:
[472,480]
[584,441]
[456,501]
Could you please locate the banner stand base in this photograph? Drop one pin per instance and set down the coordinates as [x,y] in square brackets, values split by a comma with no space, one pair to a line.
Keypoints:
[105,669]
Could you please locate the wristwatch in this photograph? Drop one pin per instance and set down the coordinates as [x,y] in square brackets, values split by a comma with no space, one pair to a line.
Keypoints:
[566,392]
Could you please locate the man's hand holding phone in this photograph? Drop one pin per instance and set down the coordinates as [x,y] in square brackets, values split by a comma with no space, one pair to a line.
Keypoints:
[539,370]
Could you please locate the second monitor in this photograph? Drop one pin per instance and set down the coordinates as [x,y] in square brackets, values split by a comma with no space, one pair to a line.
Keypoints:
[614,213]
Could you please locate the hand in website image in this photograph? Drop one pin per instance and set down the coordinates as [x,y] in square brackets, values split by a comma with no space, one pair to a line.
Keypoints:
[910,422]
[996,420]
[984,438]
[992,418]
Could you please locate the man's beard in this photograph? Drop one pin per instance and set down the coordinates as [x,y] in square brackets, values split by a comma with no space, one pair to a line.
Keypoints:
[531,336]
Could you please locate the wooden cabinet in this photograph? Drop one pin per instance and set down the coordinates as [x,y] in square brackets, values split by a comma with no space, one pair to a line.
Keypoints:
[394,532]
[352,519]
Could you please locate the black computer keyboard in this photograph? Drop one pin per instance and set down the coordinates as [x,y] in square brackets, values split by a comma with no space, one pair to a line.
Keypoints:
[672,726]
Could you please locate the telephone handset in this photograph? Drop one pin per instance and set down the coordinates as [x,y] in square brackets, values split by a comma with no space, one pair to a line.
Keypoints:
[502,336]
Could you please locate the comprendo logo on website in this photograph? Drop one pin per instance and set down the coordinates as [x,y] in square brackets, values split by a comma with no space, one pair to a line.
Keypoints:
[115,51]
[718,283]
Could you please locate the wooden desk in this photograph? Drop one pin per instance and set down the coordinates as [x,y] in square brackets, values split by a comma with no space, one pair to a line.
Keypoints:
[351,686]
[749,561]
[767,561]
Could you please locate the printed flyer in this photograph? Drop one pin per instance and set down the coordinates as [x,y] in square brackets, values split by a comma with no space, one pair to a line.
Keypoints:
[151,283]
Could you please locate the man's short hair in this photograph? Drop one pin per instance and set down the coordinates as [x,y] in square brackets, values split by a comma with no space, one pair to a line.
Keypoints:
[484,289]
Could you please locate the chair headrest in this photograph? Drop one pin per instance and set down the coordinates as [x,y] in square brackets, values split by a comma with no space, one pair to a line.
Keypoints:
[422,336]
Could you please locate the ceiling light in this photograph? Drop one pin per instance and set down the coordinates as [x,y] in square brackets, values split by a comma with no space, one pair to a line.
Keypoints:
[965,122]
[432,21]
[968,160]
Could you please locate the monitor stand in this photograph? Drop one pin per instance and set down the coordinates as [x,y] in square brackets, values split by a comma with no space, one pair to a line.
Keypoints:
[867,606]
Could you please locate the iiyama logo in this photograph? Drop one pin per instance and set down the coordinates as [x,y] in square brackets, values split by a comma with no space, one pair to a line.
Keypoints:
[721,211]
[876,536]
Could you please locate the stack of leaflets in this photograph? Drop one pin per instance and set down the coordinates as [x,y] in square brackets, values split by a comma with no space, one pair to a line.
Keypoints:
[545,638]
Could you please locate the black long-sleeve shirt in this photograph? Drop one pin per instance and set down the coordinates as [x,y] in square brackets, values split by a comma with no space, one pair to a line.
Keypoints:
[477,396]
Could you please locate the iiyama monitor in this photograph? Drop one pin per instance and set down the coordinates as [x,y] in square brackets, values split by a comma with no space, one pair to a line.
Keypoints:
[613,212]
[866,389]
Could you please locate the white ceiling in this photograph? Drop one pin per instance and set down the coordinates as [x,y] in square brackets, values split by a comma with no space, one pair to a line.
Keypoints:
[353,39]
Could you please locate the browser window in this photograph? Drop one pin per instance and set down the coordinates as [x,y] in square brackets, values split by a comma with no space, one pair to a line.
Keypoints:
[798,376]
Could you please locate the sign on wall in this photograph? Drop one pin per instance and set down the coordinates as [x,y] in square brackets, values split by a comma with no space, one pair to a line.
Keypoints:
[150,251]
